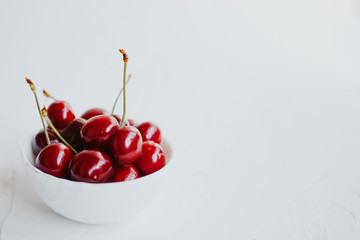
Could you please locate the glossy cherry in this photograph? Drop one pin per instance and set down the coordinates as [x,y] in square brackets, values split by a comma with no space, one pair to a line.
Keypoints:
[39,142]
[54,159]
[124,145]
[72,133]
[93,166]
[152,158]
[149,132]
[60,114]
[125,173]
[97,130]
[94,112]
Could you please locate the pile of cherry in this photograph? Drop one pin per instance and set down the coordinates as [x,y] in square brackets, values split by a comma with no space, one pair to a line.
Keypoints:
[98,147]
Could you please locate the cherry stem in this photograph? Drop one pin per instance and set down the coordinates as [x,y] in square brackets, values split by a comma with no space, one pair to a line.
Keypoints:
[33,89]
[44,114]
[125,58]
[48,95]
[117,98]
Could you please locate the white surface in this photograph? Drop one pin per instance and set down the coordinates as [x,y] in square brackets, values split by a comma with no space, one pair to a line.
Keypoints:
[96,203]
[260,100]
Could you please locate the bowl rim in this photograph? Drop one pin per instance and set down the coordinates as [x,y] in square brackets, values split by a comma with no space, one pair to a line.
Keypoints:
[27,143]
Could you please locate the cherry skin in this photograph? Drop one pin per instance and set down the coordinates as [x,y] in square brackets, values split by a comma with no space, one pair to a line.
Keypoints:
[125,173]
[124,145]
[54,159]
[94,112]
[93,166]
[97,130]
[39,142]
[72,133]
[117,117]
[149,132]
[60,114]
[152,158]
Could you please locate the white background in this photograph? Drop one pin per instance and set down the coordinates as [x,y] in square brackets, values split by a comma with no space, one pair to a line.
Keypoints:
[259,99]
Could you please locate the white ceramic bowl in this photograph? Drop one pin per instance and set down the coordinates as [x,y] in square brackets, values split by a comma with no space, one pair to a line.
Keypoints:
[100,203]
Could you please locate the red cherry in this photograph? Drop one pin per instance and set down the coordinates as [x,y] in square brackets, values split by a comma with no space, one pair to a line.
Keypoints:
[54,159]
[125,173]
[39,142]
[60,114]
[124,145]
[72,133]
[93,166]
[94,112]
[149,132]
[97,130]
[152,158]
